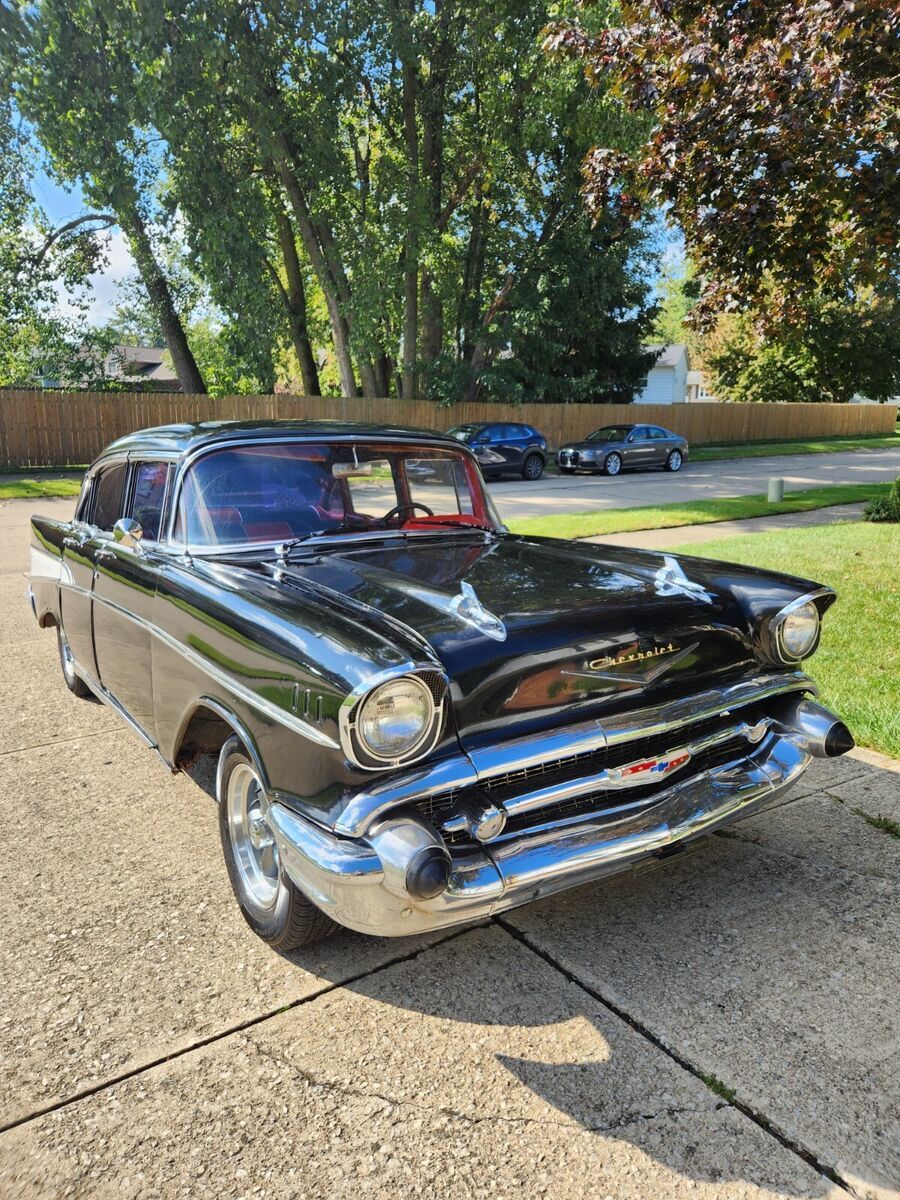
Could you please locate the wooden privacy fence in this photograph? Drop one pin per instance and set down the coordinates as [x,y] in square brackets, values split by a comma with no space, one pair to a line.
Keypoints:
[56,429]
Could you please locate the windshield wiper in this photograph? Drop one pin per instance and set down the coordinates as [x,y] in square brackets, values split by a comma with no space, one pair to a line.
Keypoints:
[285,548]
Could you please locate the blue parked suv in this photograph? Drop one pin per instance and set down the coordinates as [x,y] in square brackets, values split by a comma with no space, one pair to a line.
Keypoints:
[502,449]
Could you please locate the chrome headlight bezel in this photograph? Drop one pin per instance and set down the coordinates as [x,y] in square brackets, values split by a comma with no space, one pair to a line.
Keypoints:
[360,752]
[776,626]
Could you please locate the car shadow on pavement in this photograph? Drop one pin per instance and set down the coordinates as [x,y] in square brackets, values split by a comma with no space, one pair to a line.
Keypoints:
[733,994]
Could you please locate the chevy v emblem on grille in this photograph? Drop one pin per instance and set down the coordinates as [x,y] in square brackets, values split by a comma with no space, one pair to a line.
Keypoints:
[646,770]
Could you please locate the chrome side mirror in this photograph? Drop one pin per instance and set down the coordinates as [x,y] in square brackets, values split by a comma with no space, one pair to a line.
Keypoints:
[128,532]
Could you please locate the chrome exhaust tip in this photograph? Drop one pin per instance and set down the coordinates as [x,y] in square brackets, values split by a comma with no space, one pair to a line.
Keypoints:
[813,728]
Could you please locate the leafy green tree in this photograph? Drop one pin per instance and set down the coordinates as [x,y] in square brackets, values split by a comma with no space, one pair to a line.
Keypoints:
[37,261]
[78,86]
[843,349]
[774,140]
[399,179]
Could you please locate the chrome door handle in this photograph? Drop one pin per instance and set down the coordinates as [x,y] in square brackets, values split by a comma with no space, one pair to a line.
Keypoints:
[104,556]
[72,543]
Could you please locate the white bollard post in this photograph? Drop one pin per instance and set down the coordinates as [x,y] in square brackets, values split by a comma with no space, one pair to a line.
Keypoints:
[776,490]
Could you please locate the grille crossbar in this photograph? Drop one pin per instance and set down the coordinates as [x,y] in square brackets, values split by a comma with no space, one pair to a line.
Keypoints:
[527,793]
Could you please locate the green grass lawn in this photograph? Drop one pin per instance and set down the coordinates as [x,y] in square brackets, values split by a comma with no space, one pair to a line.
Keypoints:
[857,665]
[816,446]
[697,512]
[25,489]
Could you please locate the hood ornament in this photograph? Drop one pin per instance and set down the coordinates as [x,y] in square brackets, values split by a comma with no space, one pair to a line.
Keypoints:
[671,580]
[469,608]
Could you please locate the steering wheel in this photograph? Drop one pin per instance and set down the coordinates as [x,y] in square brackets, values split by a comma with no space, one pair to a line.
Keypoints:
[399,508]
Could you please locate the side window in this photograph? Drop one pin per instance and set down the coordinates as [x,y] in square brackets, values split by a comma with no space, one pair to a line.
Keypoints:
[439,484]
[149,495]
[109,490]
[83,511]
[658,435]
[640,433]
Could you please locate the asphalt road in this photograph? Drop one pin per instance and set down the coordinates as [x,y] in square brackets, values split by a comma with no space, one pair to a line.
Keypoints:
[556,495]
[723,1027]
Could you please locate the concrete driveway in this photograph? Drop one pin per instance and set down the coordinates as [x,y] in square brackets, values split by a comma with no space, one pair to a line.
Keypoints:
[722,1027]
[555,495]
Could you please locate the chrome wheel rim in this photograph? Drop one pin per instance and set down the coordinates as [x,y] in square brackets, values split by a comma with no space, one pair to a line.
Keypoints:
[675,460]
[613,464]
[533,468]
[68,662]
[255,850]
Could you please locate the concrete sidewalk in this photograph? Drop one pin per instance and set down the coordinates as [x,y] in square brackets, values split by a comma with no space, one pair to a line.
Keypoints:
[687,535]
[722,1027]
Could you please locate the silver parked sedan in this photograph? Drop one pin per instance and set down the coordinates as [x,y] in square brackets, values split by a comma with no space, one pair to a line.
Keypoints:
[615,448]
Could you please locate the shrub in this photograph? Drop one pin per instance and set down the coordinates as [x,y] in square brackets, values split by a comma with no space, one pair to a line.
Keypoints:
[885,508]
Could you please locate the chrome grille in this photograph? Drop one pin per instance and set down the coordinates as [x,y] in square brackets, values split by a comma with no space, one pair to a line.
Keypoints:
[503,788]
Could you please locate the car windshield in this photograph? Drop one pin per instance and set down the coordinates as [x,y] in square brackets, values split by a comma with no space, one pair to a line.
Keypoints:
[610,433]
[276,493]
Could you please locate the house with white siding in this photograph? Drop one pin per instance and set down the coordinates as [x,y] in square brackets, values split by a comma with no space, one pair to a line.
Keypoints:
[667,380]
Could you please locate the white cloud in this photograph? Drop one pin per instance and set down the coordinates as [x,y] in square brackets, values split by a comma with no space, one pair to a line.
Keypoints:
[102,291]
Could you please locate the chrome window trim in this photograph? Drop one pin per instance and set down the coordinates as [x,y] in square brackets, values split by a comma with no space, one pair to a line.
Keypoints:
[353,701]
[775,624]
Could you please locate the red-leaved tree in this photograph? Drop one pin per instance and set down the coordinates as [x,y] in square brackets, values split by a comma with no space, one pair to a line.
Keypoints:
[774,140]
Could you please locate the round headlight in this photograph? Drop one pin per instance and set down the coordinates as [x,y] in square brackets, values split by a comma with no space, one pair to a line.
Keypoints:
[395,718]
[799,631]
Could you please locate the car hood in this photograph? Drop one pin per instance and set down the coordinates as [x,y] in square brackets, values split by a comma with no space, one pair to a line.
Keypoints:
[592,445]
[533,631]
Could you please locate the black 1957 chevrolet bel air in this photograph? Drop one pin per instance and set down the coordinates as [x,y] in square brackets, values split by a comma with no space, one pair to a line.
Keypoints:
[420,719]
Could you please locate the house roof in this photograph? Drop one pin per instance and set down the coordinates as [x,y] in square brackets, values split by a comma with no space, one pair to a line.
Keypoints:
[669,356]
[144,362]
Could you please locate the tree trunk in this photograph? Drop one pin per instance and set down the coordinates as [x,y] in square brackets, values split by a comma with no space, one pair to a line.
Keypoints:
[161,301]
[411,240]
[295,301]
[433,162]
[340,329]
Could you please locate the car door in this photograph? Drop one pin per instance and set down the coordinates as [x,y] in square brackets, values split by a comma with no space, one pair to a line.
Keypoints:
[510,446]
[125,583]
[661,443]
[639,448]
[101,502]
[486,444]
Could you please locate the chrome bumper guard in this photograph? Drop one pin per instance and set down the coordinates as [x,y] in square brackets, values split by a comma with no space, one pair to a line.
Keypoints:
[347,878]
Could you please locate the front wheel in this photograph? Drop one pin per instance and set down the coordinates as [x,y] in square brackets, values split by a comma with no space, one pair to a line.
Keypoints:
[675,461]
[272,906]
[613,464]
[73,680]
[533,467]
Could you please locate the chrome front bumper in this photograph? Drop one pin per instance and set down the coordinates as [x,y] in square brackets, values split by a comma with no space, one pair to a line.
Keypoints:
[355,882]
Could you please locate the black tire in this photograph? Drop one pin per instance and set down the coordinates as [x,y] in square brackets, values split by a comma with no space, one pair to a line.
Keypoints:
[613,464]
[292,921]
[72,679]
[532,467]
[675,461]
